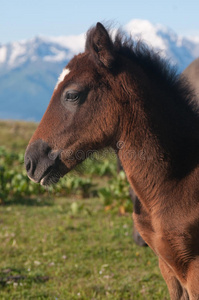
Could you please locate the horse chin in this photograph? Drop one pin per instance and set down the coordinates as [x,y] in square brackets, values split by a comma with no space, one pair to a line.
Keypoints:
[49,179]
[53,175]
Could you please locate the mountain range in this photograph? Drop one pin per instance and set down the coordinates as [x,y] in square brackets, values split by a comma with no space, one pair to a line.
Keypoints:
[29,69]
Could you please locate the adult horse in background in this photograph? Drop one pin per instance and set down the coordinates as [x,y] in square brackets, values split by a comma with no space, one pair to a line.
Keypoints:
[115,92]
[192,75]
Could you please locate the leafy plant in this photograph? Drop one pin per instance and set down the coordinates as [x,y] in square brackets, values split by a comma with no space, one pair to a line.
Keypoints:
[15,183]
[13,179]
[102,163]
[116,194]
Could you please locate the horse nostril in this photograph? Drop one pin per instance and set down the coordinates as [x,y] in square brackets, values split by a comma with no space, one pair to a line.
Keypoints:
[53,155]
[28,166]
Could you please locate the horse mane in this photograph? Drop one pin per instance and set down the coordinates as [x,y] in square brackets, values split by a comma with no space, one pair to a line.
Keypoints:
[153,64]
[147,57]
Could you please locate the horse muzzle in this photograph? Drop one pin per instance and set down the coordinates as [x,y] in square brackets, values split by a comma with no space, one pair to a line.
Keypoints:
[43,165]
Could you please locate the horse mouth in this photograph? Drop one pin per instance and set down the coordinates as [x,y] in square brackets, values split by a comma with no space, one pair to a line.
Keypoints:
[51,176]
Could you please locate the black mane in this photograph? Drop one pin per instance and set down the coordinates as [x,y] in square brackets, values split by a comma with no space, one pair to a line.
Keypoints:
[152,63]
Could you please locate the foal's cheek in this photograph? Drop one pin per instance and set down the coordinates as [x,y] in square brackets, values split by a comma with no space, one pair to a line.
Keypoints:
[69,107]
[68,116]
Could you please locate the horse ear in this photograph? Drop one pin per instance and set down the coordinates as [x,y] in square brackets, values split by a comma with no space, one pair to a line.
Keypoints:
[100,45]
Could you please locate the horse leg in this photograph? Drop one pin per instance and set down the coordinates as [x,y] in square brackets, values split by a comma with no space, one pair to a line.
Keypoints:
[137,238]
[193,280]
[136,235]
[176,291]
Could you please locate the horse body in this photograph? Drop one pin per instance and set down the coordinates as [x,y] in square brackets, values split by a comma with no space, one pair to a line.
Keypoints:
[113,93]
[192,73]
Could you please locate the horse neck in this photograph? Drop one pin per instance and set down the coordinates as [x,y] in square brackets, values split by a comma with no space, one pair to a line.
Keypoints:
[143,163]
[160,139]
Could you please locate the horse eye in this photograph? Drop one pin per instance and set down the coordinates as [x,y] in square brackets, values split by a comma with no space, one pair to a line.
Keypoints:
[72,96]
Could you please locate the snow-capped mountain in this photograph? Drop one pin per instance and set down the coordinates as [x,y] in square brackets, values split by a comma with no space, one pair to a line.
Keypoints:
[57,49]
[29,69]
[181,51]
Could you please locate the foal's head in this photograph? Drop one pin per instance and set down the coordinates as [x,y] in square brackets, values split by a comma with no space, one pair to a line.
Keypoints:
[83,114]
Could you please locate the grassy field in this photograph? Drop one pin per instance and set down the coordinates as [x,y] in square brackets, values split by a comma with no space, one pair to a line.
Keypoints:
[70,246]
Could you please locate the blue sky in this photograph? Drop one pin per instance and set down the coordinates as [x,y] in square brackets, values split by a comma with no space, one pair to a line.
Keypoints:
[24,19]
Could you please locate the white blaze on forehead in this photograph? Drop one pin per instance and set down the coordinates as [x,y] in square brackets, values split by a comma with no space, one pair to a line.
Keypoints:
[62,76]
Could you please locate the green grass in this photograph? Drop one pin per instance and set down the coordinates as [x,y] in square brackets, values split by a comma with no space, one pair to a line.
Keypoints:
[69,248]
[49,252]
[16,134]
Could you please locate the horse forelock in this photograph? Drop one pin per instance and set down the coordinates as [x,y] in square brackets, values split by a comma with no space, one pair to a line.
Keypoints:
[63,74]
